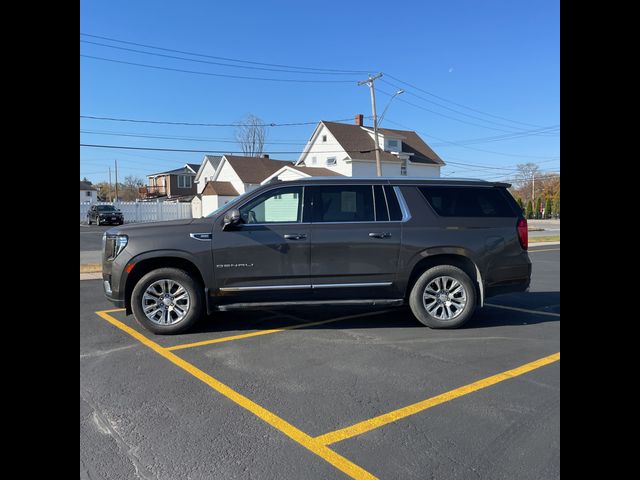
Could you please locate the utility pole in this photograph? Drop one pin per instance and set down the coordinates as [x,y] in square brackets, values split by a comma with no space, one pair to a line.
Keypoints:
[533,188]
[369,82]
[109,184]
[116,199]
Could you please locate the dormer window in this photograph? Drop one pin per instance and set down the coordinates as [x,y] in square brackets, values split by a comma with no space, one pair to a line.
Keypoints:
[392,144]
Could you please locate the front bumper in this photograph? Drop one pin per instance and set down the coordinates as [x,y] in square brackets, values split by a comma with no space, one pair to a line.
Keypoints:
[111,219]
[113,297]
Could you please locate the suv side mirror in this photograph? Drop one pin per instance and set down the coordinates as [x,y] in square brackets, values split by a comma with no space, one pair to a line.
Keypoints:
[231,219]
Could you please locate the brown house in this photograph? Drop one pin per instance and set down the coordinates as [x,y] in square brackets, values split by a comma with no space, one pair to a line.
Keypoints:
[173,183]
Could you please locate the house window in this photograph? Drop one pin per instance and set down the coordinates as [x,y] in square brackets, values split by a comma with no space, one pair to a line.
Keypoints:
[331,160]
[324,138]
[392,143]
[184,181]
[403,167]
[314,160]
[88,194]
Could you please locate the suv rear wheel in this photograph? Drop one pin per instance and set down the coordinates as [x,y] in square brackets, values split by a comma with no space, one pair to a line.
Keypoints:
[167,301]
[443,297]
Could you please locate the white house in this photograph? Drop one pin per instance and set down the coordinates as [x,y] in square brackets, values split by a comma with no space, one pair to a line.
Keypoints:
[295,172]
[350,150]
[88,193]
[206,171]
[233,176]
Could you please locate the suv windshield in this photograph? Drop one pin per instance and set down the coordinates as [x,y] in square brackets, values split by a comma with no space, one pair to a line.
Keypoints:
[106,208]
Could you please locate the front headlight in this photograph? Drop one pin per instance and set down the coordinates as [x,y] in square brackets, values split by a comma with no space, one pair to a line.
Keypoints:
[114,245]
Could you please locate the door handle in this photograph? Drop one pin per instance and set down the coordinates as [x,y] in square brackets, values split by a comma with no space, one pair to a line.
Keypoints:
[295,236]
[379,234]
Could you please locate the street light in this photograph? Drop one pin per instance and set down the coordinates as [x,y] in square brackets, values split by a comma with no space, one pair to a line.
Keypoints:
[390,100]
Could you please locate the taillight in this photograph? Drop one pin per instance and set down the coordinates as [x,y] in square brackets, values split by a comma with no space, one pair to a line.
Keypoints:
[523,233]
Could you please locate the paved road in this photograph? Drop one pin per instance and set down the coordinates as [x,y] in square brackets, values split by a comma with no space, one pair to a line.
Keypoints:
[550,227]
[144,416]
[91,243]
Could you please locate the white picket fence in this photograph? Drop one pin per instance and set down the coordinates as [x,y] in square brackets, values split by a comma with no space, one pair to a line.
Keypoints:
[137,212]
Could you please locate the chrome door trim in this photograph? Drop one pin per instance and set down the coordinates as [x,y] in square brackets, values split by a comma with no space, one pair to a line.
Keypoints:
[406,214]
[340,285]
[264,287]
[300,287]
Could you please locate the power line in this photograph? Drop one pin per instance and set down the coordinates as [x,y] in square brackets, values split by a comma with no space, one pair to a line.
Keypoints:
[454,110]
[496,138]
[292,124]
[471,148]
[194,139]
[224,58]
[213,63]
[444,115]
[461,105]
[123,147]
[196,72]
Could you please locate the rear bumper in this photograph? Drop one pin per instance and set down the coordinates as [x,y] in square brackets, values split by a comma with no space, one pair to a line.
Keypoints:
[520,286]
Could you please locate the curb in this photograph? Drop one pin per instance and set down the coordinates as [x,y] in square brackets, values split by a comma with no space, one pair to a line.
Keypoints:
[541,244]
[91,276]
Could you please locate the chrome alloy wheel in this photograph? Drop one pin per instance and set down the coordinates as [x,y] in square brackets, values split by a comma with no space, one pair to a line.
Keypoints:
[444,298]
[165,302]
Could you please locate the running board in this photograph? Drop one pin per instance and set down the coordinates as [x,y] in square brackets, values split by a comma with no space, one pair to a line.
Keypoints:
[310,303]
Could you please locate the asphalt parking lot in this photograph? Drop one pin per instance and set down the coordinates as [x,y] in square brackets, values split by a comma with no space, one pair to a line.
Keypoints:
[326,393]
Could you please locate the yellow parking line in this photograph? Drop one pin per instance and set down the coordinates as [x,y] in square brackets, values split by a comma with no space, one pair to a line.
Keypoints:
[267,332]
[113,310]
[545,250]
[313,445]
[394,416]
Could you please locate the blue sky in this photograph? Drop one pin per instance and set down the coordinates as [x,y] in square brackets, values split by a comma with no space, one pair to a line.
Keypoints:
[491,67]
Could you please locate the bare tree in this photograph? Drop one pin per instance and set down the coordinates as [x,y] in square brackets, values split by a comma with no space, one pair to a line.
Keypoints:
[130,188]
[525,178]
[251,134]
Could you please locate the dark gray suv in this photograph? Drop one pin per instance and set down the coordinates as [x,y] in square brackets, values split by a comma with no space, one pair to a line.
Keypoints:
[440,246]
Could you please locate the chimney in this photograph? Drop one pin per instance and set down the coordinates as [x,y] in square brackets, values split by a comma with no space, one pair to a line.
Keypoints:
[265,155]
[359,119]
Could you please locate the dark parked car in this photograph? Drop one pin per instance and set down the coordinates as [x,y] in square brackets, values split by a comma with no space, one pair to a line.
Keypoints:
[440,246]
[104,214]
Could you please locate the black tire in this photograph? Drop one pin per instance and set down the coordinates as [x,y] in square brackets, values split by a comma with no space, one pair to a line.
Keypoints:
[193,288]
[88,220]
[419,309]
[98,221]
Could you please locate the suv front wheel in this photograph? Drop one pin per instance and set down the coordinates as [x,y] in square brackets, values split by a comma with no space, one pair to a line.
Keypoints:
[167,301]
[443,297]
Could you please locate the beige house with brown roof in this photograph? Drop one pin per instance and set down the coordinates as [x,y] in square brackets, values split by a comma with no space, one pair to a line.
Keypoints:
[350,150]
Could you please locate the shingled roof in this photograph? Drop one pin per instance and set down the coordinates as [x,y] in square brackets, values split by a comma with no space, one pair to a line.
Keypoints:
[361,146]
[220,188]
[255,169]
[317,171]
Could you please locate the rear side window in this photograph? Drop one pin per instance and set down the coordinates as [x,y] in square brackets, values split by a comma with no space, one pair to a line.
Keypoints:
[468,201]
[394,207]
[382,214]
[338,203]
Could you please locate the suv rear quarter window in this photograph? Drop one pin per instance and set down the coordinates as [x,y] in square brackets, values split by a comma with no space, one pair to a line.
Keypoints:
[468,201]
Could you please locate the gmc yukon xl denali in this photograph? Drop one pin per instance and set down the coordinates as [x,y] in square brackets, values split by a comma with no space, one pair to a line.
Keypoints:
[442,246]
